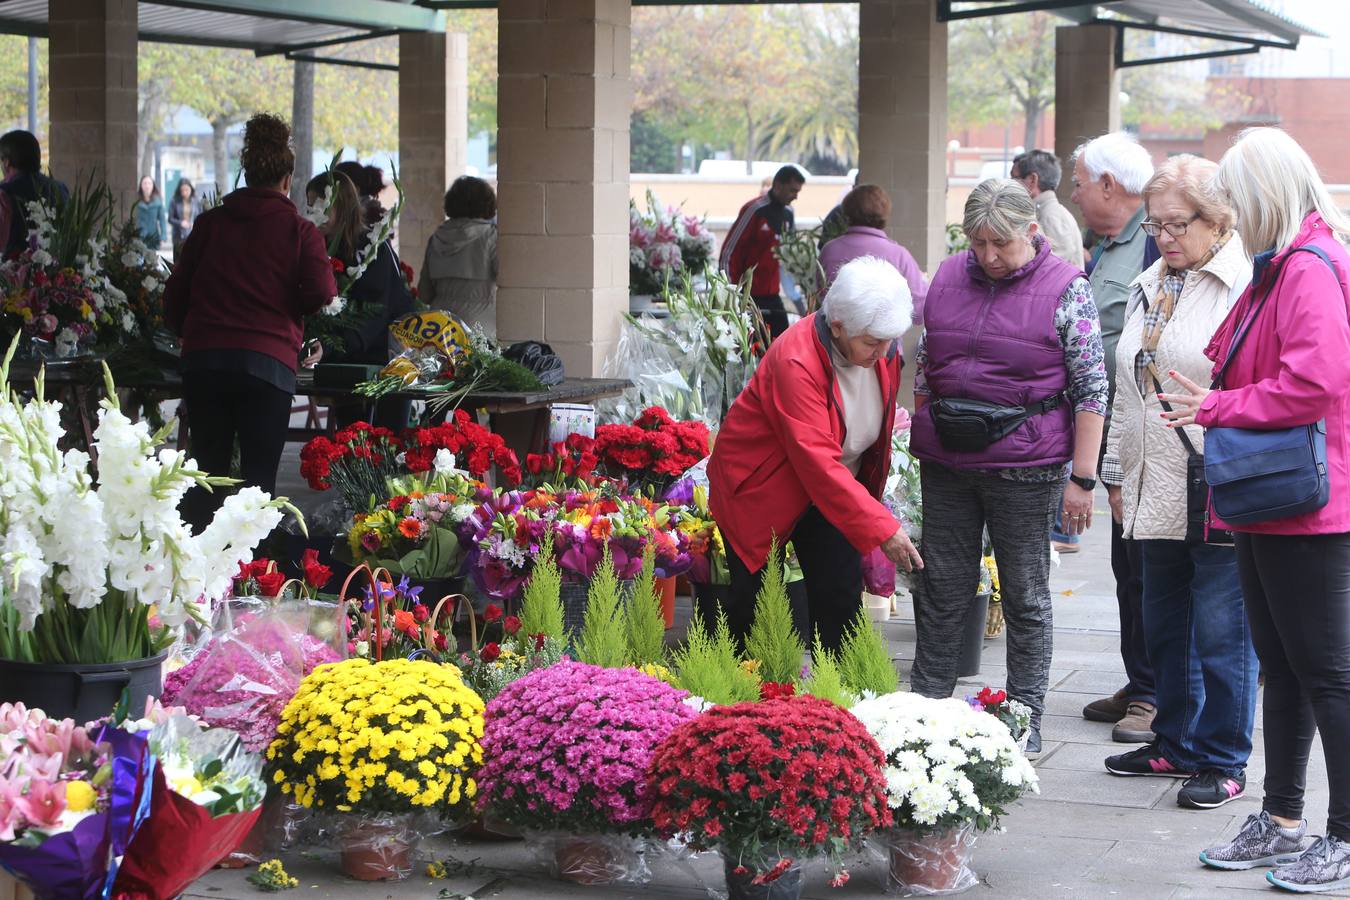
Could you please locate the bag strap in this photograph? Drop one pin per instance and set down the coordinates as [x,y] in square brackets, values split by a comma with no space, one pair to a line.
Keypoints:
[1246,326]
[1167,407]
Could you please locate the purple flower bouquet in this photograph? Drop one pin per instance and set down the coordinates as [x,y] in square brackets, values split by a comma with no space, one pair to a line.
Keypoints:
[567,748]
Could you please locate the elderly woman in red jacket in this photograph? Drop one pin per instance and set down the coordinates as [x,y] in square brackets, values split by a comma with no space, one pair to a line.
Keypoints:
[804,451]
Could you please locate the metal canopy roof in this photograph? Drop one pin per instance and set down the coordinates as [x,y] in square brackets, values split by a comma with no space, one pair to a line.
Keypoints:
[1248,25]
[264,26]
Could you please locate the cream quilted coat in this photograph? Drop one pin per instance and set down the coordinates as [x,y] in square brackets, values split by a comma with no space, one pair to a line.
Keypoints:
[1139,443]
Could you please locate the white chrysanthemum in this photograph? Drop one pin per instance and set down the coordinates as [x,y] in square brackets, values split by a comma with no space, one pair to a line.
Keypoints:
[334,307]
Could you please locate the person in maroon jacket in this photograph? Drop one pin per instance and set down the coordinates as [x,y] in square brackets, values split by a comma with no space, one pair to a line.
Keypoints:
[752,238]
[248,274]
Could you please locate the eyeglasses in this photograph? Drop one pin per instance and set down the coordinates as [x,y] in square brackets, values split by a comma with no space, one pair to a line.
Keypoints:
[1176,229]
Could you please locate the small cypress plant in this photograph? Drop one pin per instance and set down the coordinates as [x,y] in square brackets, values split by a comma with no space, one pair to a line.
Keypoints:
[645,624]
[773,640]
[602,641]
[865,659]
[824,681]
[541,609]
[707,665]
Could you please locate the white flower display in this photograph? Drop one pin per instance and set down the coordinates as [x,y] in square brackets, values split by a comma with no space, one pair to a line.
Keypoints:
[947,763]
[334,307]
[80,537]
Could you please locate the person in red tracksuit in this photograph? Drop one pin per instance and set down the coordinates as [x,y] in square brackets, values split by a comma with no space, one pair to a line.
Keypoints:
[753,236]
[804,452]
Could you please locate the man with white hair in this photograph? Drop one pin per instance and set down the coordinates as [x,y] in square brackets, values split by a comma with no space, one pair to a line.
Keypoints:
[1109,174]
[804,452]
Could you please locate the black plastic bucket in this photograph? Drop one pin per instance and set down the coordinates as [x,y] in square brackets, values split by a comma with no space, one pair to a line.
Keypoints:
[80,692]
[972,637]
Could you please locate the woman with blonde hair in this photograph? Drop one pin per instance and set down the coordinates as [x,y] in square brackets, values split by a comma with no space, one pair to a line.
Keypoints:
[1195,630]
[1281,363]
[1010,395]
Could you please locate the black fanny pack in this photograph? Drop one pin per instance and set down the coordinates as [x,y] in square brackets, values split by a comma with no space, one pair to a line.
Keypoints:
[969,426]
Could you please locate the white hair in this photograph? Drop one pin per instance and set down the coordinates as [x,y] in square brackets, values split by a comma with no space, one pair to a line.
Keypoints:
[1119,155]
[869,296]
[1273,185]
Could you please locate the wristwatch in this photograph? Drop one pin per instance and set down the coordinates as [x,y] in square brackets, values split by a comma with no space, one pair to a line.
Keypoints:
[1087,484]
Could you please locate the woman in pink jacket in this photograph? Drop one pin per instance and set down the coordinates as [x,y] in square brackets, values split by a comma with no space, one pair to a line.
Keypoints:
[1293,369]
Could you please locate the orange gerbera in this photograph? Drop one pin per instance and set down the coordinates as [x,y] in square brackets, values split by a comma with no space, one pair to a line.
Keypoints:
[601,528]
[410,528]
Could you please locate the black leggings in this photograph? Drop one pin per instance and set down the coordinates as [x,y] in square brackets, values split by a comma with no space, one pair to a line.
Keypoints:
[832,571]
[1297,592]
[223,406]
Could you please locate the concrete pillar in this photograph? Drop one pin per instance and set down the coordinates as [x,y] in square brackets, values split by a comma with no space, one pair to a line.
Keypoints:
[433,131]
[902,118]
[564,101]
[92,61]
[1087,91]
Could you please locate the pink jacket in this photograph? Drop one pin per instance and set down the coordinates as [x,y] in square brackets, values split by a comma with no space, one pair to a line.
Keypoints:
[1294,367]
[863,241]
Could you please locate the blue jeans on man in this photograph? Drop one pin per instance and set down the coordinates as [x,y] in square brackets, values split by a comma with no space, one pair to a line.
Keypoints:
[1199,643]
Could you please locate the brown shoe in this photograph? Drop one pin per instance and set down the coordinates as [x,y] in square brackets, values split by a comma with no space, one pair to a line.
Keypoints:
[1137,726]
[1108,709]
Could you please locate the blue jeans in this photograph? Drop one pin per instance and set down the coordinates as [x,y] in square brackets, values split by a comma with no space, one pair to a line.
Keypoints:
[1199,643]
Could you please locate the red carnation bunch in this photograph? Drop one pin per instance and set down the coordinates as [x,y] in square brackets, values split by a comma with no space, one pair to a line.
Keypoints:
[358,460]
[475,448]
[764,782]
[655,449]
[570,462]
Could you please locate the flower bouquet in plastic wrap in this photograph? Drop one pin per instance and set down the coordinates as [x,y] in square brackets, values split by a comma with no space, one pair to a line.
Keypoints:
[567,749]
[951,770]
[71,797]
[205,794]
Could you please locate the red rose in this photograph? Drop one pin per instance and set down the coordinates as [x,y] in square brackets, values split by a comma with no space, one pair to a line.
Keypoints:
[490,652]
[493,613]
[440,642]
[270,583]
[511,624]
[316,575]
[259,567]
[420,613]
[338,265]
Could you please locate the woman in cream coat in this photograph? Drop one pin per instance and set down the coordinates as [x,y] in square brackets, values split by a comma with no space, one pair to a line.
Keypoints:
[1194,623]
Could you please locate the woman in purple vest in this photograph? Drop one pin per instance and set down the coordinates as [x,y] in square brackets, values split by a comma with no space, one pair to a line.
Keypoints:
[1010,392]
[866,208]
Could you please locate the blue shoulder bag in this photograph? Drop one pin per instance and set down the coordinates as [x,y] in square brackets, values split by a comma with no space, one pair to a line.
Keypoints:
[1257,475]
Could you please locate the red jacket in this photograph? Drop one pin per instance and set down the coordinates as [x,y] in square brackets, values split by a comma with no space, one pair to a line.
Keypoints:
[1292,368]
[779,450]
[248,274]
[751,241]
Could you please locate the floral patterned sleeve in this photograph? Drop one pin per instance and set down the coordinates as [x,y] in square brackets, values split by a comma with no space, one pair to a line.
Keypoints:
[1080,334]
[921,363]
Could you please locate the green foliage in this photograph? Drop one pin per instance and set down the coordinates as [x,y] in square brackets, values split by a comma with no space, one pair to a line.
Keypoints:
[773,640]
[541,609]
[825,680]
[602,641]
[14,84]
[645,625]
[707,666]
[865,659]
[654,147]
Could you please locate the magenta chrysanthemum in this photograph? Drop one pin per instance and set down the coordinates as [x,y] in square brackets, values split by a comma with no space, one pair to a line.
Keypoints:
[568,747]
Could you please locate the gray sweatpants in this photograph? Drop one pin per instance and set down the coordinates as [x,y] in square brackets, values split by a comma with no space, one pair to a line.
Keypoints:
[956,508]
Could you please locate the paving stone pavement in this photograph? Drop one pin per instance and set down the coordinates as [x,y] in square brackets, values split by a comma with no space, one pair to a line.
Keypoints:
[1086,835]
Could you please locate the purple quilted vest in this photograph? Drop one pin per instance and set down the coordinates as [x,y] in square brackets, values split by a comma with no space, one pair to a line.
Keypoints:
[996,341]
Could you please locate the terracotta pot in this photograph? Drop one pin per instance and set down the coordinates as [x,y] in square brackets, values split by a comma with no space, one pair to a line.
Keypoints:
[590,860]
[665,589]
[787,886]
[378,850]
[935,863]
[487,827]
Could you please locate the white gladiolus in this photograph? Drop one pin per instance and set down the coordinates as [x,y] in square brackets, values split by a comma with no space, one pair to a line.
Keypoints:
[70,539]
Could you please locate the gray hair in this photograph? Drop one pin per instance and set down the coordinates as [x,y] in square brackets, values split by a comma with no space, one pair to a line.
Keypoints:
[1273,186]
[1041,163]
[869,296]
[1119,155]
[1002,206]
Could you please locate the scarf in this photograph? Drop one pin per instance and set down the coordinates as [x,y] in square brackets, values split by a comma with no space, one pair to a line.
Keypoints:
[1160,312]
